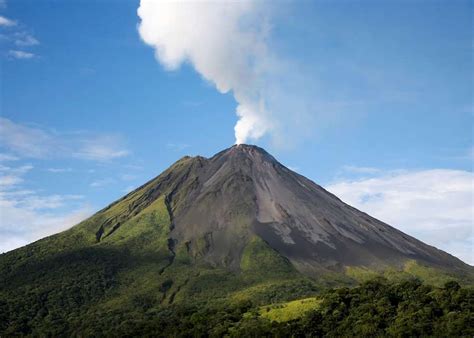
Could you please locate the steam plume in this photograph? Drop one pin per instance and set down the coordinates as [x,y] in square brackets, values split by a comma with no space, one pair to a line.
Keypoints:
[226,43]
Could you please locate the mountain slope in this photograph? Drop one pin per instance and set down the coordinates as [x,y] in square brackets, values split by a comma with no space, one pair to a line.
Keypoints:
[243,191]
[233,228]
[216,206]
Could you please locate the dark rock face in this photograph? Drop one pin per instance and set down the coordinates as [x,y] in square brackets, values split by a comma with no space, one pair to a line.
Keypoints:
[218,204]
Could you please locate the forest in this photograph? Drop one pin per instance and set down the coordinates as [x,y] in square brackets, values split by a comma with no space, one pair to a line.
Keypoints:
[377,307]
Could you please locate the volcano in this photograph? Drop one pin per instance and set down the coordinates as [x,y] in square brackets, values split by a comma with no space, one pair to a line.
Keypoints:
[243,193]
[236,225]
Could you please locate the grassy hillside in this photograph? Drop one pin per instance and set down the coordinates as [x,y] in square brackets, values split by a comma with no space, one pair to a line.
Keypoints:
[284,312]
[411,269]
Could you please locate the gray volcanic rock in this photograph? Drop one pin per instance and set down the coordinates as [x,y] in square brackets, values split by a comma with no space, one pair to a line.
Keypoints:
[219,204]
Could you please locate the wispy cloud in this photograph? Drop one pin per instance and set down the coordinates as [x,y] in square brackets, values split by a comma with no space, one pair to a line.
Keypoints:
[27,141]
[21,55]
[59,170]
[32,201]
[109,181]
[133,166]
[7,157]
[20,226]
[27,215]
[23,39]
[35,142]
[17,39]
[177,146]
[5,22]
[10,177]
[434,206]
[102,182]
[7,181]
[101,148]
[128,177]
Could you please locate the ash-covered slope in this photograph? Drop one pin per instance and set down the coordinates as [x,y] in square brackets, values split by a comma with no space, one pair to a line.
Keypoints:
[243,191]
[218,205]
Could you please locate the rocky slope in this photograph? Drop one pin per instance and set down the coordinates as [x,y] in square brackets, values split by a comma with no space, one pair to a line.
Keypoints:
[218,204]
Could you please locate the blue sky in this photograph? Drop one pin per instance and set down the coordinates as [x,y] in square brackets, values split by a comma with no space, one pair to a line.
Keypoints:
[384,90]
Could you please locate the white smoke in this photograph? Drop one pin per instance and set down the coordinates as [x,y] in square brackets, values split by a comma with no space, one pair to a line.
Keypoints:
[226,43]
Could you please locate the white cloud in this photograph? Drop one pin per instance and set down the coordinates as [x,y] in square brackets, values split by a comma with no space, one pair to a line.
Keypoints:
[27,141]
[133,166]
[7,157]
[30,200]
[177,146]
[435,206]
[26,215]
[6,22]
[23,39]
[21,55]
[59,170]
[20,226]
[10,177]
[102,182]
[100,148]
[128,177]
[18,38]
[34,142]
[9,180]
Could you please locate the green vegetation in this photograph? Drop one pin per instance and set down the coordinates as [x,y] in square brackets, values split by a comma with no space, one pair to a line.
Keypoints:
[285,312]
[429,275]
[259,259]
[375,308]
[411,269]
[401,309]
